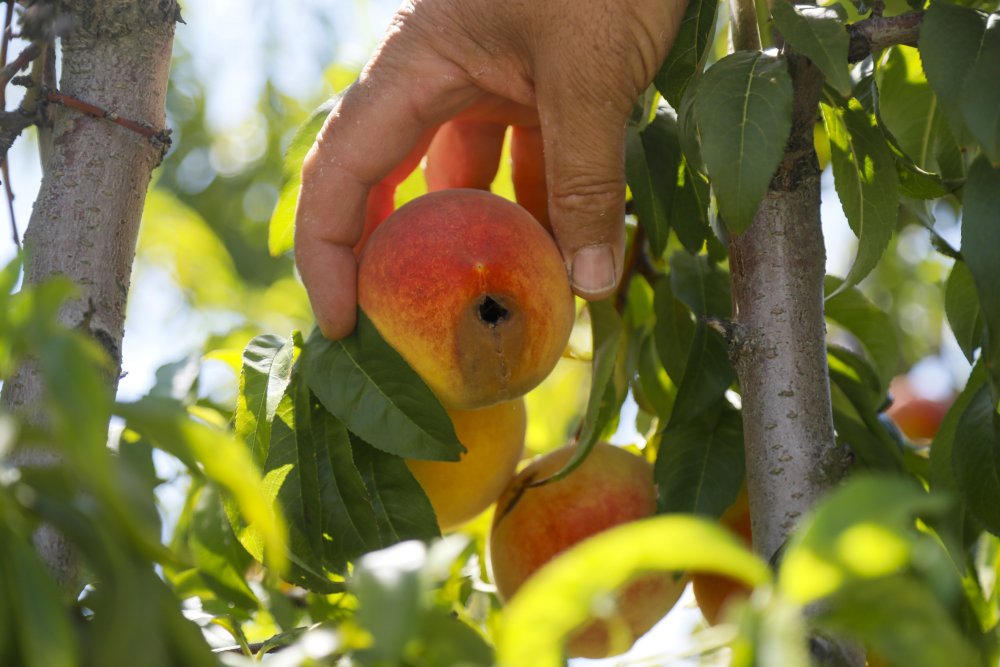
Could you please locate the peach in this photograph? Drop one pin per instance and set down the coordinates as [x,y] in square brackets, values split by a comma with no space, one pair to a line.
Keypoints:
[471,291]
[711,591]
[533,524]
[494,443]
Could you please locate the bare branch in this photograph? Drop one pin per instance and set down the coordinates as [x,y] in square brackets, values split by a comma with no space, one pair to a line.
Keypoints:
[159,138]
[880,32]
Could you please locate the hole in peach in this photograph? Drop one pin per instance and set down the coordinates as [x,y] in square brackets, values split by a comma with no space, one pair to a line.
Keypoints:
[492,312]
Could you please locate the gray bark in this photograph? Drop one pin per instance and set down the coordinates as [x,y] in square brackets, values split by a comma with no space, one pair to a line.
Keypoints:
[85,221]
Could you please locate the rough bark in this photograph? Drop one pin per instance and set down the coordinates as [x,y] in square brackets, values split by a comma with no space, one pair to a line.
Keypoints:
[85,221]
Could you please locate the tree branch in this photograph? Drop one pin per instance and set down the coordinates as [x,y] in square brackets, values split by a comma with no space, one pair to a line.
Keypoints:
[880,32]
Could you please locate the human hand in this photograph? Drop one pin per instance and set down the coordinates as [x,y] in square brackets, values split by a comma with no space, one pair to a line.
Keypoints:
[565,73]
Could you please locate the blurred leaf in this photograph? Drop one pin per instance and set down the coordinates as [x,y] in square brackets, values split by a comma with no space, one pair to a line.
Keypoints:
[699,465]
[402,511]
[910,112]
[266,372]
[644,183]
[446,640]
[975,458]
[363,382]
[921,633]
[387,585]
[980,249]
[981,94]
[950,41]
[281,231]
[961,303]
[683,62]
[743,107]
[221,458]
[558,597]
[817,33]
[943,477]
[862,531]
[43,630]
[873,328]
[865,177]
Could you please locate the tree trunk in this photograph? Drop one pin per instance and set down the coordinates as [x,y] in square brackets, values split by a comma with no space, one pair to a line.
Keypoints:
[777,269]
[85,221]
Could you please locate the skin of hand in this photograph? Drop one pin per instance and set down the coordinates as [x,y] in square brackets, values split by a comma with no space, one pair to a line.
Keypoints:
[448,77]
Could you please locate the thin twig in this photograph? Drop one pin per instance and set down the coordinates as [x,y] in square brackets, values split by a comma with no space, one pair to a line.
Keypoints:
[879,32]
[160,138]
[24,58]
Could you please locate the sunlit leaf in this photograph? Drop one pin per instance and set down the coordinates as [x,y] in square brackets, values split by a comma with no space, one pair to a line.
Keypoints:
[363,382]
[873,328]
[557,599]
[863,530]
[865,177]
[743,107]
[281,231]
[266,372]
[818,33]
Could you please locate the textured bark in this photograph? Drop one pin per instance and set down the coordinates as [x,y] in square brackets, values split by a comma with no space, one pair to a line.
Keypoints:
[777,268]
[85,221]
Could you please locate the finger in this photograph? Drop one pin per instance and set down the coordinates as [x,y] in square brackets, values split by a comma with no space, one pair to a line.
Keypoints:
[584,140]
[464,154]
[353,153]
[528,172]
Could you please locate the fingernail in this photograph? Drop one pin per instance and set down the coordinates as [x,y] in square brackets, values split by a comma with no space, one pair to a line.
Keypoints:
[593,269]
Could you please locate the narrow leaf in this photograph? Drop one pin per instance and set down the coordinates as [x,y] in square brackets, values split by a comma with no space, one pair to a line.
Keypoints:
[865,177]
[708,373]
[981,248]
[684,60]
[981,93]
[673,331]
[819,34]
[689,208]
[649,206]
[364,382]
[743,107]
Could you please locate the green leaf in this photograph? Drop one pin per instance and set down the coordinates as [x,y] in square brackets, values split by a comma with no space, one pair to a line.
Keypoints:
[699,466]
[643,184]
[921,634]
[606,331]
[281,231]
[981,94]
[689,208]
[708,373]
[402,511]
[702,286]
[683,63]
[223,459]
[267,370]
[870,441]
[864,530]
[743,107]
[559,596]
[961,304]
[981,248]
[865,177]
[942,472]
[673,331]
[819,34]
[872,327]
[976,458]
[364,382]
[911,113]
[44,631]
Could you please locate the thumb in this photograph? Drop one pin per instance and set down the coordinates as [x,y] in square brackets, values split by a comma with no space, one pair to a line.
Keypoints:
[584,140]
